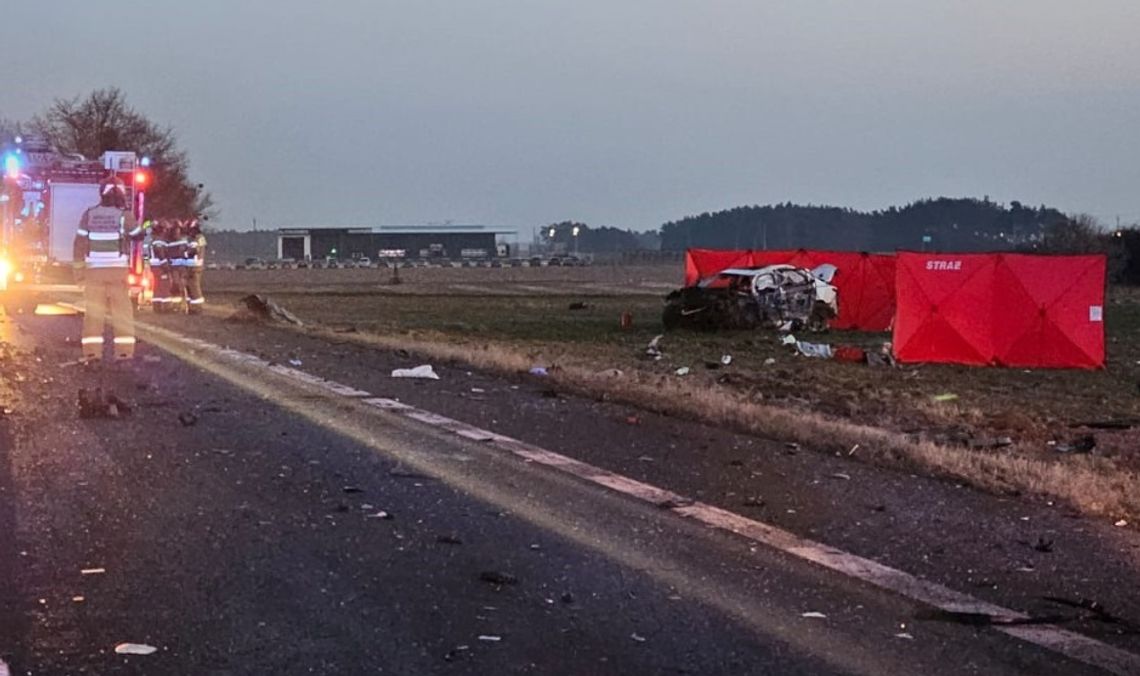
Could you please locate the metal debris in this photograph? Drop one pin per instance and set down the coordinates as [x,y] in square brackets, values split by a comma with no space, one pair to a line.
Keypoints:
[654,348]
[135,649]
[99,404]
[423,371]
[257,307]
[498,577]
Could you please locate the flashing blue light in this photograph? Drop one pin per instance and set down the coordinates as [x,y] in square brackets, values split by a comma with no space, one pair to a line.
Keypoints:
[12,166]
[145,161]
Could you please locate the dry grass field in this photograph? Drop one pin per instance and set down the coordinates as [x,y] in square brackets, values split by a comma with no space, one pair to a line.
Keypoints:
[514,318]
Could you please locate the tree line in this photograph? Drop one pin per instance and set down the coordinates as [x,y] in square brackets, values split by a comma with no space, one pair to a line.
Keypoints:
[104,120]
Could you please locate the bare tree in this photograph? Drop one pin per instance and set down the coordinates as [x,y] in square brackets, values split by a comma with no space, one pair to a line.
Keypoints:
[104,121]
[1077,234]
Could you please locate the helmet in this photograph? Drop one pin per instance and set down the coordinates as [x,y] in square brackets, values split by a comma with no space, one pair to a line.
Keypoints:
[113,192]
[113,184]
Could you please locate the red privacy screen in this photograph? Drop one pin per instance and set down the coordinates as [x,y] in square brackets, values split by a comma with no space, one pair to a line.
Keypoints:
[1000,309]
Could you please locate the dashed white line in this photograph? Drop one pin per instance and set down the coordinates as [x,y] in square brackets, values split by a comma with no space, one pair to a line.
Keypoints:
[1068,643]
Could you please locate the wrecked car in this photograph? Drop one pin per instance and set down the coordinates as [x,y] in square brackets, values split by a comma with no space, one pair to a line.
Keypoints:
[781,297]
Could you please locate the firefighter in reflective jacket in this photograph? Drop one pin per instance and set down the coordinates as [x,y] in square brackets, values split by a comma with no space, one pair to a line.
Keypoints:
[176,249]
[102,243]
[196,257]
[160,266]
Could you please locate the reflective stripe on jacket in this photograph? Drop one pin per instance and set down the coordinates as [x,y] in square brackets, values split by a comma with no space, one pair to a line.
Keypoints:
[176,251]
[157,251]
[105,232]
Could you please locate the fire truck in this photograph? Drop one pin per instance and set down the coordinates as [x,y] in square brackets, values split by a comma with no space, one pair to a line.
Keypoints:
[42,198]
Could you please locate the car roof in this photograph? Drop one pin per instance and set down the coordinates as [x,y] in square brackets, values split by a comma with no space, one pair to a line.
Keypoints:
[754,272]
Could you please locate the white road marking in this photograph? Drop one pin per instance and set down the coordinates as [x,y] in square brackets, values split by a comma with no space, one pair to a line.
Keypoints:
[1068,643]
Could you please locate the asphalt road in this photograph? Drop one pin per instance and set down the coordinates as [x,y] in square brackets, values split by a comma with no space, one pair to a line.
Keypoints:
[242,523]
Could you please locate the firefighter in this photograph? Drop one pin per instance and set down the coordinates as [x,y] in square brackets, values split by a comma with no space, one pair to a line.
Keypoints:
[196,254]
[101,249]
[160,266]
[177,246]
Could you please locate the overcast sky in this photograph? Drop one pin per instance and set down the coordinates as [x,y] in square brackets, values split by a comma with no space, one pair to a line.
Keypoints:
[621,112]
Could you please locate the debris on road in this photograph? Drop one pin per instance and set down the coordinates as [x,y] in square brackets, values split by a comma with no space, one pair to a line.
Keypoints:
[1121,524]
[1082,444]
[637,637]
[99,404]
[135,649]
[498,577]
[654,348]
[93,571]
[841,475]
[381,515]
[262,308]
[579,305]
[943,398]
[423,371]
[295,362]
[814,615]
[880,359]
[490,638]
[904,635]
[683,371]
[455,653]
[769,361]
[539,371]
[814,350]
[850,354]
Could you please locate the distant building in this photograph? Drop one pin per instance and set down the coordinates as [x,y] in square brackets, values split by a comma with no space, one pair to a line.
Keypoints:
[392,241]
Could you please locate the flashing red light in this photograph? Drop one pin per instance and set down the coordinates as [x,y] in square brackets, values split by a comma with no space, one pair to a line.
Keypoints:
[141,179]
[132,279]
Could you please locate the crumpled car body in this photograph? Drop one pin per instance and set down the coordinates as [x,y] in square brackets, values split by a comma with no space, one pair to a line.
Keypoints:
[775,296]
